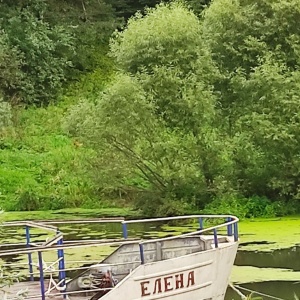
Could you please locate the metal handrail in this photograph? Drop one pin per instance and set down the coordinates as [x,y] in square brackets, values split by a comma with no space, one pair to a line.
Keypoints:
[192,233]
[181,218]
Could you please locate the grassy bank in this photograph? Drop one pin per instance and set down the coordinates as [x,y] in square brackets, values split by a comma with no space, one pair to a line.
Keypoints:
[41,168]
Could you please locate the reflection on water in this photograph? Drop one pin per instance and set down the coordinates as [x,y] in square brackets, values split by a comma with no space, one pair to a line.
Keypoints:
[282,258]
[280,289]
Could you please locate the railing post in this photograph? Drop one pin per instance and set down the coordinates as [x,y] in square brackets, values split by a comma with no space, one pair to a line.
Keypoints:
[236,232]
[201,223]
[125,233]
[42,281]
[216,238]
[61,265]
[229,227]
[27,229]
[142,253]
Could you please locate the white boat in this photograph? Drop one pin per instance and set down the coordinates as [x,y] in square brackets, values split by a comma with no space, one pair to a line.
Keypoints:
[194,265]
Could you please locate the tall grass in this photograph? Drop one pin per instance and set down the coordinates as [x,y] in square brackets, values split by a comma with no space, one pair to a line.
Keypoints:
[41,168]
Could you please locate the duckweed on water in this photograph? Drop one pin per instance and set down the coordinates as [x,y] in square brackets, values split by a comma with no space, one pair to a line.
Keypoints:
[269,234]
[67,214]
[255,235]
[252,274]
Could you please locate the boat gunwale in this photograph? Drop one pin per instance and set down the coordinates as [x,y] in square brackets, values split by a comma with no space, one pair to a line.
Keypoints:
[51,245]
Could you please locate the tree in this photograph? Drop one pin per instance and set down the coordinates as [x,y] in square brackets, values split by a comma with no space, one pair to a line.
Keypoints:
[44,50]
[10,64]
[91,24]
[56,42]
[241,34]
[154,124]
[255,46]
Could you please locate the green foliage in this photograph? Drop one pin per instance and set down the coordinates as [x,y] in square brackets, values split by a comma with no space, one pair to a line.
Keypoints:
[40,167]
[255,47]
[5,115]
[273,124]
[90,84]
[264,27]
[43,45]
[173,40]
[252,207]
[127,8]
[201,110]
[44,51]
[154,126]
[10,63]
[91,24]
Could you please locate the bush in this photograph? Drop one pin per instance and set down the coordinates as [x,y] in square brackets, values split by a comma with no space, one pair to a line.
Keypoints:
[244,207]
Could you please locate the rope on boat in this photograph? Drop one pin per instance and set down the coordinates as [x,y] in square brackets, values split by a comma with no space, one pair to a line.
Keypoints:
[237,291]
[252,291]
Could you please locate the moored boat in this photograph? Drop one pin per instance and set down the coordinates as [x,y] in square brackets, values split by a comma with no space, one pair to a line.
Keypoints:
[193,265]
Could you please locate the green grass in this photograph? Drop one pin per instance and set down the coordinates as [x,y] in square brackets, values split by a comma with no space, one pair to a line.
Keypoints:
[41,167]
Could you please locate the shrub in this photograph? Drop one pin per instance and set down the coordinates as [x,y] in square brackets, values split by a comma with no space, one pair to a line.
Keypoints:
[244,207]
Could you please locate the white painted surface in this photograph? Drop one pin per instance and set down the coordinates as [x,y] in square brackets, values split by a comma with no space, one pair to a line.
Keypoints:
[196,276]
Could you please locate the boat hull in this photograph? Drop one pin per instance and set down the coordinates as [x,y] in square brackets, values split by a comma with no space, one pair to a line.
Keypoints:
[201,275]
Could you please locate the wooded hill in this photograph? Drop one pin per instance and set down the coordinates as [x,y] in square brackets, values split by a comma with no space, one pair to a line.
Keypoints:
[181,107]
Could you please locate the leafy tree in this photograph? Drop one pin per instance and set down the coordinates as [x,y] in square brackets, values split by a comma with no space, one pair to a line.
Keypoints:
[10,64]
[241,34]
[255,46]
[91,24]
[127,8]
[154,124]
[264,27]
[43,48]
[272,125]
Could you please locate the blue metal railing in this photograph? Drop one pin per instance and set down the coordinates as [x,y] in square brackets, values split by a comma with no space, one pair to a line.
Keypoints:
[231,223]
[61,266]
[41,269]
[60,253]
[201,223]
[27,229]
[124,229]
[229,227]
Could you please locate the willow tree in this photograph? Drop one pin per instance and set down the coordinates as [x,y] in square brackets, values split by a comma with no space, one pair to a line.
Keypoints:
[153,127]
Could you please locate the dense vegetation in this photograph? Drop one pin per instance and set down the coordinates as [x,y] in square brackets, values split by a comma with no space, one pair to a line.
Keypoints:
[189,106]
